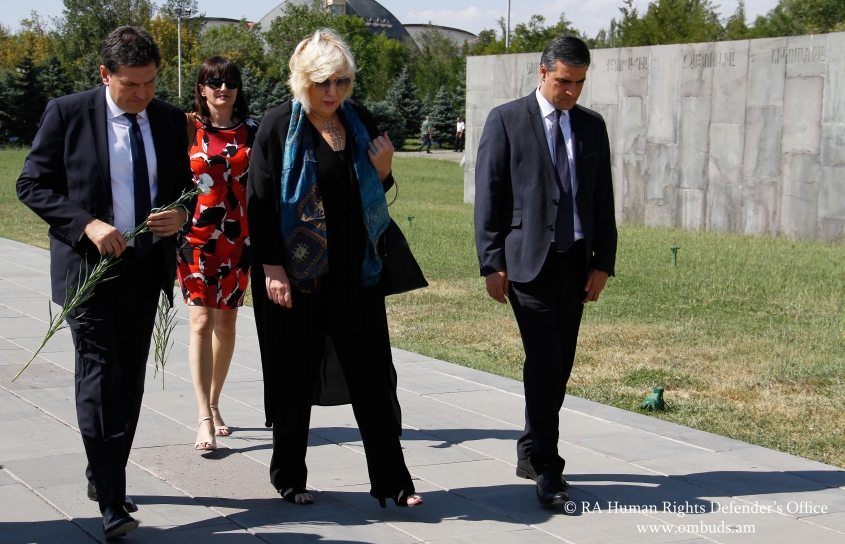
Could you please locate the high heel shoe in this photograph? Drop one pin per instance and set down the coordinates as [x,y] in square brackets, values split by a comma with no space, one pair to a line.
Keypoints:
[401,498]
[212,442]
[219,430]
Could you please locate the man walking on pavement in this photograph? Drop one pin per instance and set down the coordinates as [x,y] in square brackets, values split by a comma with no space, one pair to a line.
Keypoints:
[545,233]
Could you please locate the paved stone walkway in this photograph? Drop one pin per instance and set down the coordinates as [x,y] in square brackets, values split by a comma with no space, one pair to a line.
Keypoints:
[460,430]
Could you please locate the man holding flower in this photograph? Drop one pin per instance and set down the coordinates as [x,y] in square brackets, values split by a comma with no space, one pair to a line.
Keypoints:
[101,161]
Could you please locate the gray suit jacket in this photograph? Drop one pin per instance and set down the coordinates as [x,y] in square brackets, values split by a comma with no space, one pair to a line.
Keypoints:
[515,186]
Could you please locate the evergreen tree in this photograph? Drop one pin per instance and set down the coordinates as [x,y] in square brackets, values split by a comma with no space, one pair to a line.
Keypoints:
[403,97]
[388,120]
[88,73]
[54,80]
[443,117]
[269,94]
[85,23]
[26,100]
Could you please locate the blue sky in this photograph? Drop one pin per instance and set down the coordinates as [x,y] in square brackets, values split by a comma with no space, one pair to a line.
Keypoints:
[472,15]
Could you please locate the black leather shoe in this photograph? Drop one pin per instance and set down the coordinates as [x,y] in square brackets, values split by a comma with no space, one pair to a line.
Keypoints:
[551,488]
[524,469]
[128,504]
[117,521]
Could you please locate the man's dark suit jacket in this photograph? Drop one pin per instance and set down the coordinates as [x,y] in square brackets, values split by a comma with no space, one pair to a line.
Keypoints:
[66,179]
[515,188]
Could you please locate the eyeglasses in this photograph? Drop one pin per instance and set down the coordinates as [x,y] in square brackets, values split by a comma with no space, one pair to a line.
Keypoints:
[216,82]
[341,84]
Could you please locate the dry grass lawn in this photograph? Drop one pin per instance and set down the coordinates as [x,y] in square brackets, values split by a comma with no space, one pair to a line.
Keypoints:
[746,334]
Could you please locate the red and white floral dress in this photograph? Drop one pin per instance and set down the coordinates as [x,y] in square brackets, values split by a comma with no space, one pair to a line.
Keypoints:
[214,262]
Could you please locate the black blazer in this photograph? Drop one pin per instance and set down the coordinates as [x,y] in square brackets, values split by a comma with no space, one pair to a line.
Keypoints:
[265,182]
[66,179]
[515,185]
[267,247]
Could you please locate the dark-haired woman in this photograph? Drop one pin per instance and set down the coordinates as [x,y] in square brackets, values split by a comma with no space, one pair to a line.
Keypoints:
[214,263]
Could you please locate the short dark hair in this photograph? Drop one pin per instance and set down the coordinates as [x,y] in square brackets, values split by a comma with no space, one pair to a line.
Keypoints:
[129,46]
[566,49]
[223,68]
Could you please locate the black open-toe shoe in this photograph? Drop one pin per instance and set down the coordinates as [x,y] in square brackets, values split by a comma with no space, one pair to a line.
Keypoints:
[291,493]
[400,498]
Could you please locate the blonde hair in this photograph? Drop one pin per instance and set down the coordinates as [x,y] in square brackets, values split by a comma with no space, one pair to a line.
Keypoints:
[317,58]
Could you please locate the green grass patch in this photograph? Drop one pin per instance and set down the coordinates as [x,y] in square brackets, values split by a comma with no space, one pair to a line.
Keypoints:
[17,222]
[746,334]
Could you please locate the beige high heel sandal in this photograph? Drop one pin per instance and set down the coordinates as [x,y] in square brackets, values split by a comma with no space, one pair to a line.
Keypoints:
[219,430]
[213,440]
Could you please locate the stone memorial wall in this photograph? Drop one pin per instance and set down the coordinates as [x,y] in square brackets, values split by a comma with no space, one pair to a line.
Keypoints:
[745,137]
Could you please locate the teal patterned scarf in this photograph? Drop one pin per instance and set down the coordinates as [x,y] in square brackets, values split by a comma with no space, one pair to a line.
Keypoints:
[303,217]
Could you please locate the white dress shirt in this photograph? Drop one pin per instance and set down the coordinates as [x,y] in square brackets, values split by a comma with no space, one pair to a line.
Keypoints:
[548,110]
[120,164]
[461,127]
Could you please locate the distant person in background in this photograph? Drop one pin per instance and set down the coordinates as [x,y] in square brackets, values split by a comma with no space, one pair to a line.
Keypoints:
[545,232]
[100,162]
[459,135]
[426,135]
[214,262]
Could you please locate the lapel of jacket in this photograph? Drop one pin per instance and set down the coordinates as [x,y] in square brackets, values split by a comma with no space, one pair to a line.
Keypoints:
[576,126]
[97,117]
[535,118]
[158,127]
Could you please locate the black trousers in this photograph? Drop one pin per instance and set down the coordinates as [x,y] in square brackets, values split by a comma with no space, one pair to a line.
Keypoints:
[111,336]
[358,329]
[548,311]
[459,142]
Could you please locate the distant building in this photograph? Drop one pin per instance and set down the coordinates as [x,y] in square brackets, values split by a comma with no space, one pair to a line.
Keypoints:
[460,37]
[377,18]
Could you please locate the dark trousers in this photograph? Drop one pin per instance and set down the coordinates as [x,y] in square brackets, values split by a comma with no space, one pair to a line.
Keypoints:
[112,341]
[459,142]
[426,142]
[548,311]
[359,334]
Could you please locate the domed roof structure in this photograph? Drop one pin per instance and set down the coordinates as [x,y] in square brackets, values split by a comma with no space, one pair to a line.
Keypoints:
[377,17]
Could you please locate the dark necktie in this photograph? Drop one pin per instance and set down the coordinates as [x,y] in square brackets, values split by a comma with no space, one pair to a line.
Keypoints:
[565,220]
[140,183]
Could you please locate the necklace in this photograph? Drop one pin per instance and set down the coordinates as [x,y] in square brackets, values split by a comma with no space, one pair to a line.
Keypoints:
[337,139]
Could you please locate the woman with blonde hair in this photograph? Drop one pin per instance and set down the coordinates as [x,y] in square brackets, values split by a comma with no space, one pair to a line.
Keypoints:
[316,210]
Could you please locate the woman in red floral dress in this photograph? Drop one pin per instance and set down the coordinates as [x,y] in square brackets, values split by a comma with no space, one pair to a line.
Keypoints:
[214,262]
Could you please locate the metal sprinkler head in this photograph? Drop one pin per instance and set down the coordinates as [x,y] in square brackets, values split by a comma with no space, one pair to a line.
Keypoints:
[655,400]
[674,250]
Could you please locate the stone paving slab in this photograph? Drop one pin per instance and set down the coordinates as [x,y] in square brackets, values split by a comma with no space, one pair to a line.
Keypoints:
[460,428]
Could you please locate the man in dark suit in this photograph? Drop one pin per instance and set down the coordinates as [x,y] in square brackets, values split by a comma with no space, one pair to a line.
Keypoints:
[100,162]
[546,237]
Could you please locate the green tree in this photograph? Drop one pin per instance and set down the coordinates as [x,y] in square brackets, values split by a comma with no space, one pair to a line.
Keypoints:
[388,120]
[669,21]
[797,17]
[403,97]
[390,58]
[529,37]
[270,93]
[443,117]
[287,30]
[87,72]
[736,27]
[25,100]
[301,21]
[85,23]
[241,43]
[439,64]
[54,79]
